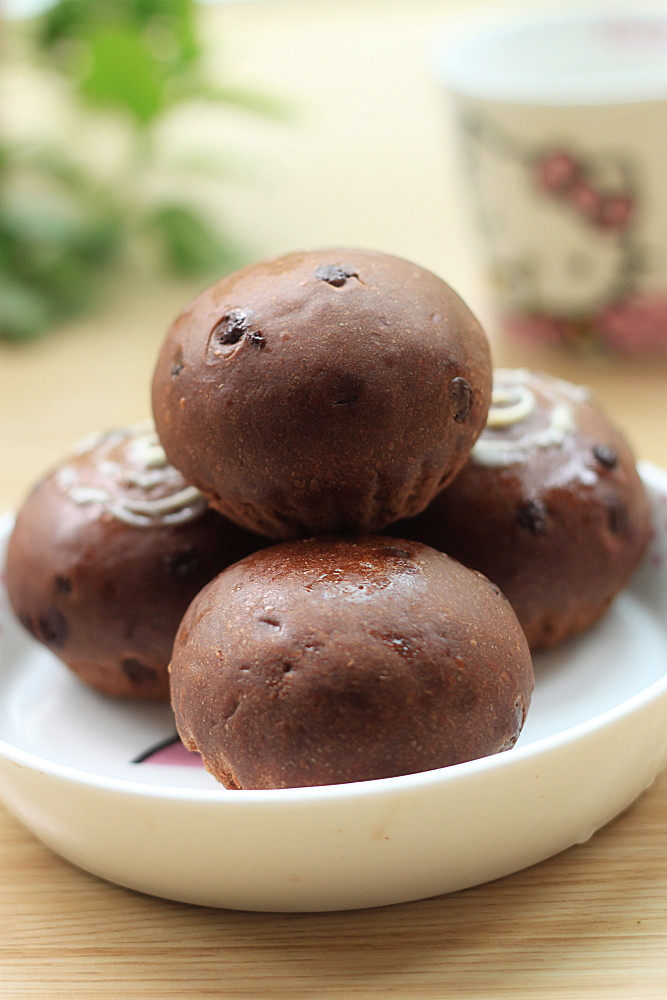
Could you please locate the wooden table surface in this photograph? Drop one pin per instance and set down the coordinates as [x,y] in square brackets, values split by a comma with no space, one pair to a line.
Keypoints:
[367,161]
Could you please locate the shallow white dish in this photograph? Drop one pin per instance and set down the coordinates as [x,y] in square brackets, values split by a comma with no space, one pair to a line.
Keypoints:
[595,737]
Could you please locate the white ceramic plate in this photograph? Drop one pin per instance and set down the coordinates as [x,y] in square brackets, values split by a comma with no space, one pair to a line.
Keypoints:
[595,737]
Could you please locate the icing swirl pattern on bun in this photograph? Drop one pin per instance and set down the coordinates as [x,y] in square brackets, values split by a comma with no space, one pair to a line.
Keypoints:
[549,506]
[516,423]
[107,552]
[127,474]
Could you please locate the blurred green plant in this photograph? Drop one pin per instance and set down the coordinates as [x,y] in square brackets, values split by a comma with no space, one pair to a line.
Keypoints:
[57,230]
[60,226]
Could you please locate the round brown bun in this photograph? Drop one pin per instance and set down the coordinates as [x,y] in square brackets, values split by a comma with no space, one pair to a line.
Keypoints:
[333,660]
[107,553]
[330,391]
[549,506]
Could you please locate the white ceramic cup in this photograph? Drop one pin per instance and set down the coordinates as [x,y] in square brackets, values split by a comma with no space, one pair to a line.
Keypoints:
[564,129]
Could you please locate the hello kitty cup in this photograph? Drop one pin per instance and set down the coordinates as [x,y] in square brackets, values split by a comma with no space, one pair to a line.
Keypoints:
[564,129]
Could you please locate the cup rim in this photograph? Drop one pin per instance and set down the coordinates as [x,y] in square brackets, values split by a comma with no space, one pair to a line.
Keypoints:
[465,68]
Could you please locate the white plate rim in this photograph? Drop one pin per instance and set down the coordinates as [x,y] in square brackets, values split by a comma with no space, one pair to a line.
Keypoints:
[652,475]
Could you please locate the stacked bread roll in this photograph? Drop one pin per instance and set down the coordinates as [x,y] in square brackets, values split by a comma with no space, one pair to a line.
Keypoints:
[334,401]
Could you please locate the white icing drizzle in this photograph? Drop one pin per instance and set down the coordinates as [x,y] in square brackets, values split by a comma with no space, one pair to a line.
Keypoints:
[186,497]
[509,404]
[147,451]
[186,503]
[87,494]
[144,480]
[88,443]
[513,401]
[587,476]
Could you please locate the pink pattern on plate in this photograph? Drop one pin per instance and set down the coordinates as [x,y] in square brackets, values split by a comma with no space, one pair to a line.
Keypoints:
[171,754]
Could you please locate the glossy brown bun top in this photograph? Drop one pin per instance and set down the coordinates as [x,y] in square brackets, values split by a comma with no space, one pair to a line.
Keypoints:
[549,506]
[329,391]
[335,660]
[107,553]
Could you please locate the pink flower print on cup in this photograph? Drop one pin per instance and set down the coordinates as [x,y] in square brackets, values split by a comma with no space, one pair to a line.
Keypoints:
[536,327]
[557,172]
[635,326]
[562,119]
[586,200]
[616,212]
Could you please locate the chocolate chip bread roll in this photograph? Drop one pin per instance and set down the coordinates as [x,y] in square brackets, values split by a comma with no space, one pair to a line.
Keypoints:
[549,506]
[335,660]
[107,552]
[330,391]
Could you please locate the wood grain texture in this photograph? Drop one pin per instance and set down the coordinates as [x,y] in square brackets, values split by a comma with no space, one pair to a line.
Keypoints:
[379,172]
[589,923]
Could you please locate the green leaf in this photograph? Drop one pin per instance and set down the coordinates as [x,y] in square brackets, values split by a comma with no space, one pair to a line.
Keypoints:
[69,282]
[72,20]
[63,20]
[135,58]
[25,312]
[247,99]
[45,221]
[256,101]
[178,17]
[210,164]
[51,251]
[52,165]
[121,73]
[190,244]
